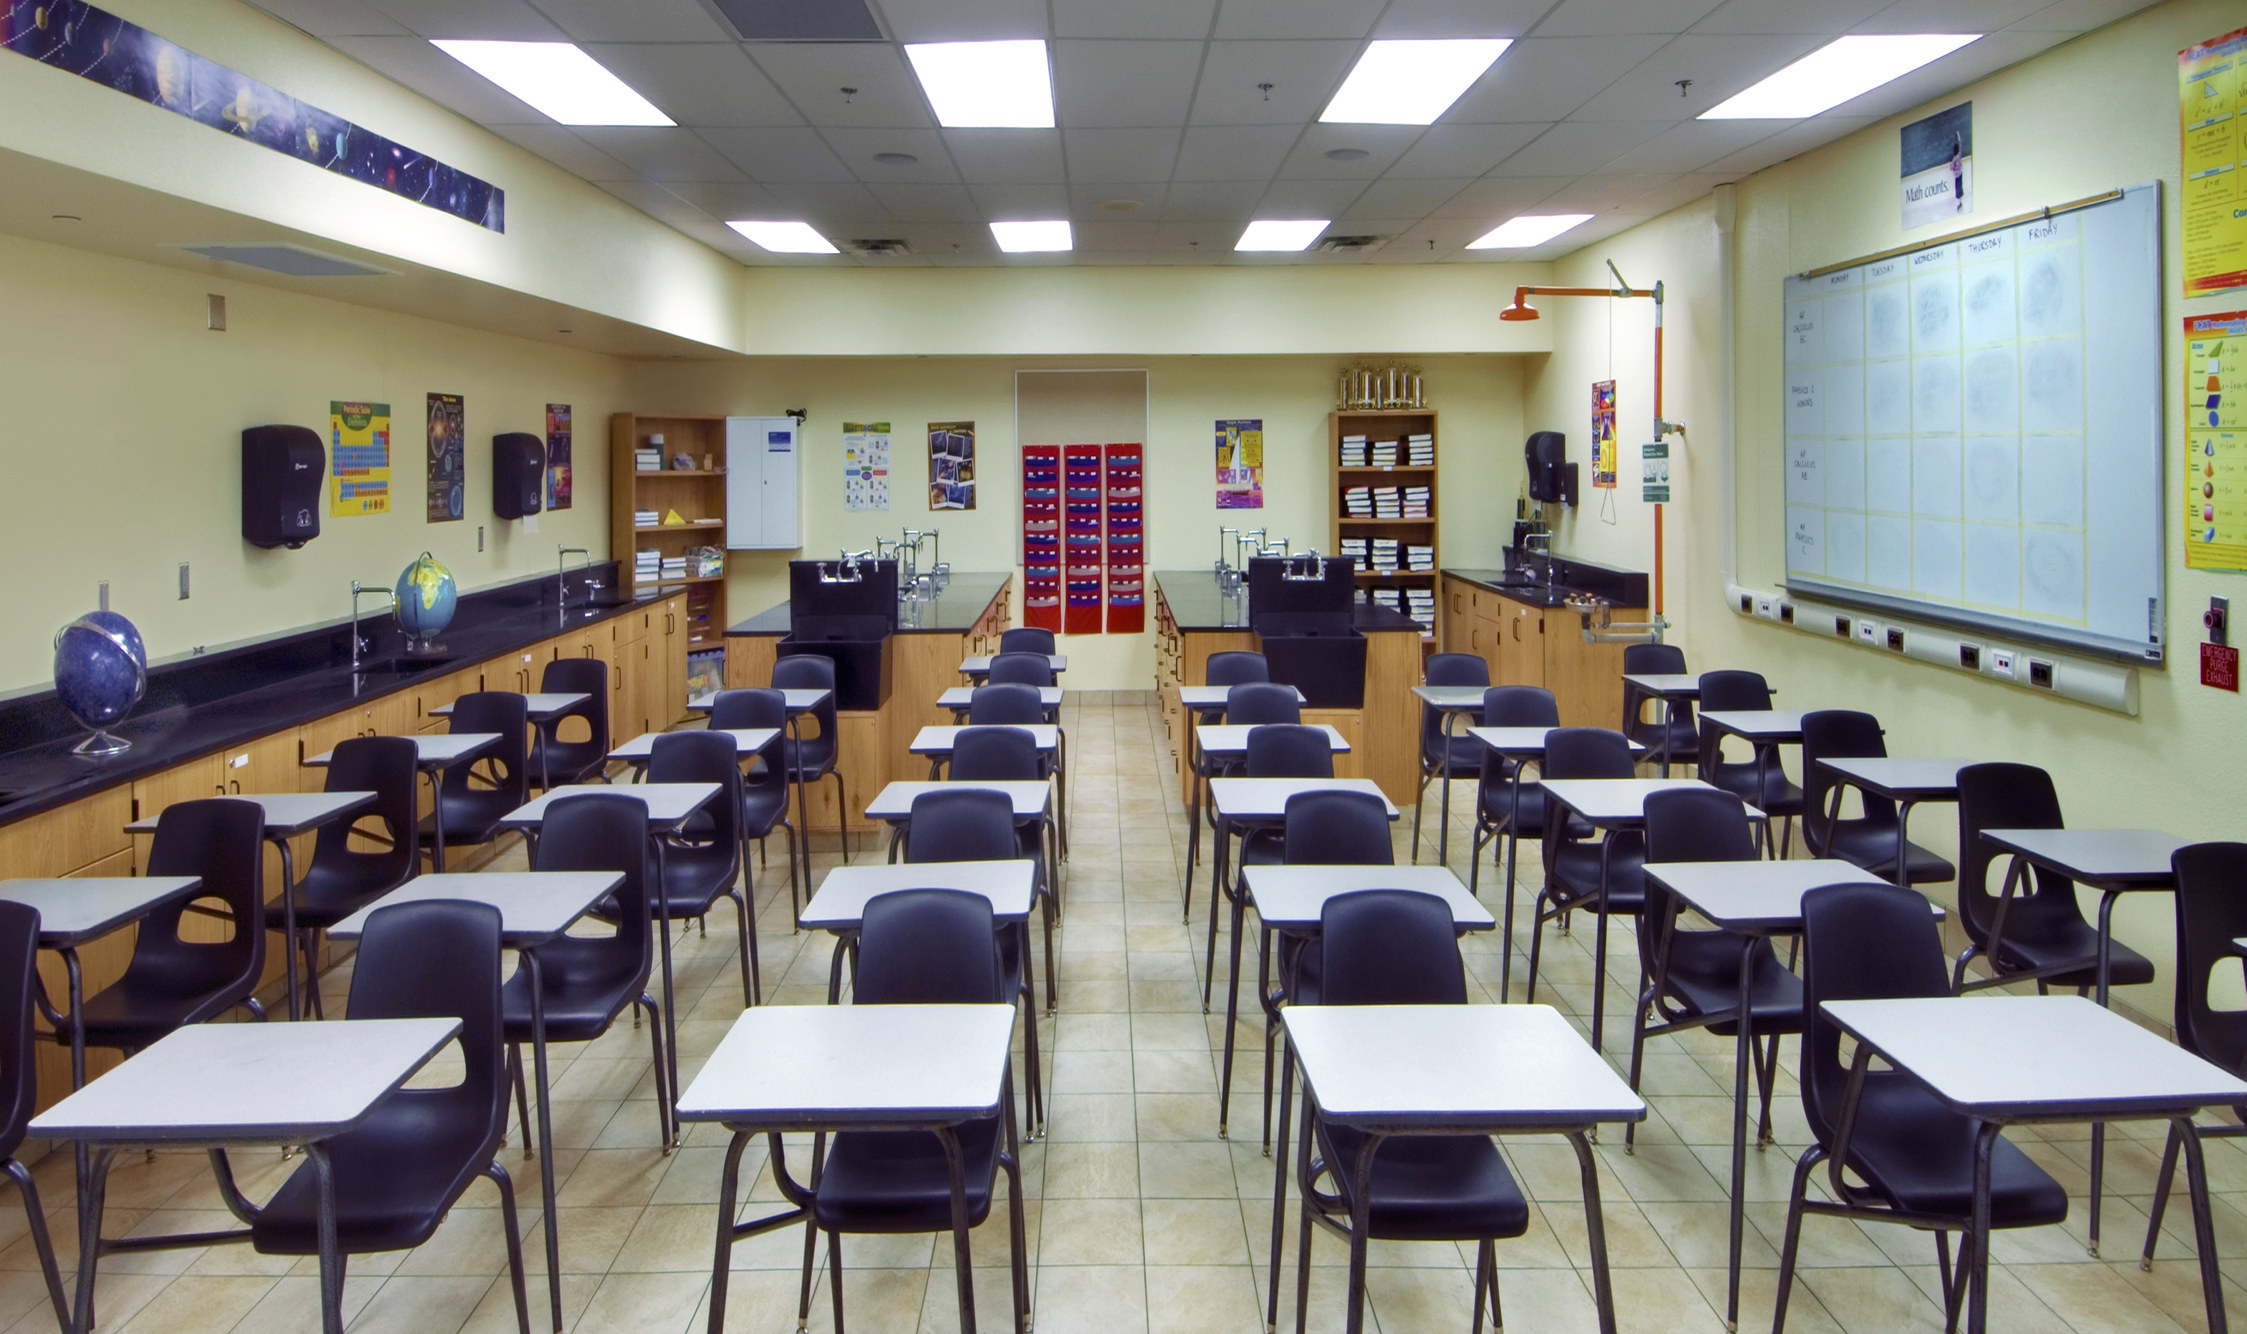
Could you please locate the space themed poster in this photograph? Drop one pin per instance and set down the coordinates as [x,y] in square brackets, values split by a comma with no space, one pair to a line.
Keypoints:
[448,457]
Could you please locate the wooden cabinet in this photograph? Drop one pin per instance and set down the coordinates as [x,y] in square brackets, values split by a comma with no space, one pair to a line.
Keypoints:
[191,781]
[695,494]
[1371,482]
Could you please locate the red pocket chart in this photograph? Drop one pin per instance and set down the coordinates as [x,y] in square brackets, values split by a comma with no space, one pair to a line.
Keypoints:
[1041,536]
[1126,577]
[1082,550]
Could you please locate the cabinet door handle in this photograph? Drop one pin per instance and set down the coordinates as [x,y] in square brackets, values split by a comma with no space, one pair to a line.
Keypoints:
[1517,629]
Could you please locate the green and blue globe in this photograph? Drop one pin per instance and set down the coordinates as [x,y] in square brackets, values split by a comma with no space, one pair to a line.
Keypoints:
[427,598]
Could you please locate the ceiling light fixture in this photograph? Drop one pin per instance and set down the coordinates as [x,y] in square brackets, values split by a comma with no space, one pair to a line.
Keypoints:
[785,238]
[1844,68]
[1411,82]
[1017,238]
[986,85]
[1527,230]
[558,79]
[1291,234]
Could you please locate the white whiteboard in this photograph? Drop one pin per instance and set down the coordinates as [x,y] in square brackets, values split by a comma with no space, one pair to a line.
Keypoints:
[1974,431]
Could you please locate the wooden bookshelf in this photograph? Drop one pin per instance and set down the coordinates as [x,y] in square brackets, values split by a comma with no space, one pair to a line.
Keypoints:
[697,493]
[1375,426]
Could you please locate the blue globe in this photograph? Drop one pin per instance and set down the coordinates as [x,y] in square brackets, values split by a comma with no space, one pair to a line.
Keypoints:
[427,598]
[101,668]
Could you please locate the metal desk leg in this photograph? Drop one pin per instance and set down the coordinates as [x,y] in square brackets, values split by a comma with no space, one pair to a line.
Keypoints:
[288,919]
[1669,720]
[1599,936]
[2203,1227]
[1903,844]
[1232,1012]
[1978,1234]
[729,1188]
[1595,1231]
[1361,1222]
[1219,857]
[1743,1057]
[1443,832]
[545,1135]
[92,1193]
[437,816]
[2099,1128]
[1513,849]
[1193,822]
[670,1004]
[803,801]
[1279,1188]
[331,1258]
[955,1167]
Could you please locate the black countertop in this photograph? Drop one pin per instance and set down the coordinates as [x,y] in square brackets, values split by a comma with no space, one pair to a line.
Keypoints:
[1197,605]
[204,704]
[1620,587]
[954,610]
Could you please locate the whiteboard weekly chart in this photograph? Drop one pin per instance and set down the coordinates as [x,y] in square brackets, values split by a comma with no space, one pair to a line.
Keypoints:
[1973,430]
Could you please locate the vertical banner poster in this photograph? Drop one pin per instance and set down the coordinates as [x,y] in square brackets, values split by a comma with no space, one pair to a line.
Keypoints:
[1240,464]
[558,480]
[866,466]
[951,465]
[1938,166]
[2211,97]
[2215,441]
[359,458]
[448,457]
[1603,433]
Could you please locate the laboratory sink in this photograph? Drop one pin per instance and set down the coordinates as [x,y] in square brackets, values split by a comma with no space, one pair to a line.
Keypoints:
[860,652]
[401,666]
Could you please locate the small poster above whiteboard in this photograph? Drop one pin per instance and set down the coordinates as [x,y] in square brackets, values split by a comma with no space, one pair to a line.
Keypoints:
[1938,166]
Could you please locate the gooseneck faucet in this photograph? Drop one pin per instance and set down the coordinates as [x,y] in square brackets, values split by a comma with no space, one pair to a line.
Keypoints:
[359,590]
[562,573]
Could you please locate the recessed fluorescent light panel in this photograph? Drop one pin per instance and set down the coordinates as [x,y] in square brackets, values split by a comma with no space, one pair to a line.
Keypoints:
[1411,82]
[986,85]
[1281,235]
[786,238]
[558,79]
[1527,230]
[1834,73]
[1018,238]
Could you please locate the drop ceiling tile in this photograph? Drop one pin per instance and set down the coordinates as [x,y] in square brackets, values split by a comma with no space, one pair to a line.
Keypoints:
[1202,202]
[1297,18]
[697,83]
[1462,150]
[1573,147]
[1234,152]
[964,20]
[2073,16]
[440,78]
[564,149]
[1198,239]
[835,208]
[1011,157]
[504,20]
[1546,78]
[1382,145]
[1303,76]
[781,153]
[1950,15]
[1717,66]
[1407,199]
[1823,17]
[1089,200]
[1674,194]
[919,202]
[1185,19]
[1691,146]
[638,21]
[1121,155]
[1789,142]
[334,18]
[1020,202]
[1459,18]
[813,75]
[1600,194]
[1610,18]
[1497,198]
[660,154]
[1941,80]
[1113,258]
[1450,235]
[942,241]
[1125,83]
[653,200]
[857,147]
[725,200]
[1096,236]
[1308,199]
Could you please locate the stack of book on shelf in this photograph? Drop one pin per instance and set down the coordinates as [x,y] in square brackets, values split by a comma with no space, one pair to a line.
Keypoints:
[1384,453]
[1420,605]
[674,568]
[1353,451]
[1420,451]
[647,566]
[1354,550]
[648,458]
[1385,555]
[1419,558]
[1416,502]
[1392,598]
[643,519]
[1388,503]
[1357,502]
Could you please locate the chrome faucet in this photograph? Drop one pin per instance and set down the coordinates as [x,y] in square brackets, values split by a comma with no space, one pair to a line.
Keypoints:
[562,572]
[359,590]
[1545,550]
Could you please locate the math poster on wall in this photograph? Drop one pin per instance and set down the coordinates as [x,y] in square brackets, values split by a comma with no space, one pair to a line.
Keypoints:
[1603,433]
[866,465]
[2211,95]
[1240,464]
[448,458]
[2215,441]
[951,465]
[358,458]
[558,479]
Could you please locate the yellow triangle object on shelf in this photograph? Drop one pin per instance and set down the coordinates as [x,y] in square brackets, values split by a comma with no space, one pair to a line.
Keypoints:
[672,519]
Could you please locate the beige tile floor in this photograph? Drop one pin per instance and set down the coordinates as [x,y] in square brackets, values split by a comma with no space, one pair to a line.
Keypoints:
[1138,1216]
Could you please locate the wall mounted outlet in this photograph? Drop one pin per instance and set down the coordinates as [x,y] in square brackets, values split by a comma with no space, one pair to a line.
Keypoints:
[2040,674]
[479,537]
[1868,632]
[183,581]
[1763,608]
[1747,604]
[2002,663]
[1786,613]
[1970,657]
[1841,626]
[1895,639]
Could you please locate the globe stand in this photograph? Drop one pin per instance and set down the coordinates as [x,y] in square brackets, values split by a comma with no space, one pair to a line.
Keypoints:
[101,743]
[422,646]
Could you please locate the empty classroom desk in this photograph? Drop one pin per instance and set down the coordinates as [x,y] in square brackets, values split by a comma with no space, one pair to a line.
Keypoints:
[1672,688]
[937,741]
[1903,780]
[433,754]
[1226,743]
[840,904]
[747,743]
[543,709]
[798,701]
[1450,701]
[960,698]
[976,667]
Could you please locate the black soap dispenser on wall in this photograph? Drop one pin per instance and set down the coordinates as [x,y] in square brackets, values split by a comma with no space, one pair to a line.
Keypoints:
[282,471]
[518,475]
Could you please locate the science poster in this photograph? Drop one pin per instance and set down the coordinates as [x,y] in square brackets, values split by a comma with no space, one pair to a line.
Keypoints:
[951,465]
[866,466]
[448,455]
[558,488]
[2211,97]
[358,458]
[1240,464]
[1603,434]
[2216,441]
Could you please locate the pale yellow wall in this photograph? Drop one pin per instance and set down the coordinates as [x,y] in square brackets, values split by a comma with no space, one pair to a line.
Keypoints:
[2098,113]
[1478,398]
[121,449]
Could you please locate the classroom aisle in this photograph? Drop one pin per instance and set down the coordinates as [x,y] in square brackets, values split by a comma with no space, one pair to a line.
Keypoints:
[1139,1217]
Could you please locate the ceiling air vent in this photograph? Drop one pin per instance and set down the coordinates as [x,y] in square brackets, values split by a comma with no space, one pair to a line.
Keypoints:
[801,20]
[295,261]
[1348,245]
[878,245]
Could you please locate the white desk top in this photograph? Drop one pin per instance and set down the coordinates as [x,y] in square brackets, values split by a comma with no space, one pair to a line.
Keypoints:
[1524,743]
[287,814]
[435,750]
[2102,858]
[72,912]
[1232,738]
[1494,1067]
[1213,697]
[1450,699]
[2011,1058]
[809,1066]
[1612,801]
[1667,685]
[746,741]
[542,707]
[534,906]
[1756,897]
[1290,898]
[794,699]
[249,1083]
[1781,725]
[1266,798]
[960,697]
[1902,778]
[939,740]
[841,901]
[668,804]
[894,803]
[980,664]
